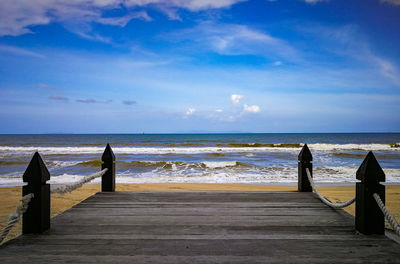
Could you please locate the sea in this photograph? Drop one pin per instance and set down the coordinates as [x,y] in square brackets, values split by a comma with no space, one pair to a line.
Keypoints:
[200,158]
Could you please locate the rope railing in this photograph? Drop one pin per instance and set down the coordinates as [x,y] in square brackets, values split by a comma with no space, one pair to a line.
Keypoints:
[376,196]
[36,176]
[14,217]
[388,217]
[369,218]
[323,199]
[62,189]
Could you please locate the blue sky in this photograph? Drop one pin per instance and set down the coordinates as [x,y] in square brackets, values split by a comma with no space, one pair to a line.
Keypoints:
[127,66]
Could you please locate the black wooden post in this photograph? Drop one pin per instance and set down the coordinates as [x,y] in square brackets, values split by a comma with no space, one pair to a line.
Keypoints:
[37,218]
[305,161]
[369,218]
[108,179]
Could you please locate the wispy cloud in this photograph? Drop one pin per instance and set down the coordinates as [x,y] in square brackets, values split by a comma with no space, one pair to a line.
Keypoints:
[59,98]
[393,2]
[387,69]
[171,12]
[349,43]
[234,39]
[45,86]
[84,29]
[257,85]
[16,16]
[315,1]
[91,36]
[129,102]
[87,101]
[307,1]
[122,21]
[19,51]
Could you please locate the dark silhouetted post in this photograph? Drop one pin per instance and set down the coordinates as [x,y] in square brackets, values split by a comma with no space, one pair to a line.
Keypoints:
[37,218]
[369,218]
[108,179]
[305,159]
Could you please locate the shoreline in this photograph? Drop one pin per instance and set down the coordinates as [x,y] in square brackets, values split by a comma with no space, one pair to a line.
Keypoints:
[293,184]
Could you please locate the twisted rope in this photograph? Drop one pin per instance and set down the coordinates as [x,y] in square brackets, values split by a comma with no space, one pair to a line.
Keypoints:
[323,199]
[390,219]
[62,189]
[14,217]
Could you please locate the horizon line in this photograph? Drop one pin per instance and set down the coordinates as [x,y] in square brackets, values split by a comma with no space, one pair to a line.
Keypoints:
[193,133]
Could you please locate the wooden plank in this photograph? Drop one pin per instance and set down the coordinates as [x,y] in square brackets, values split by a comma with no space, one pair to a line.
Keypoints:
[203,205]
[201,227]
[337,249]
[170,259]
[200,211]
[216,220]
[83,238]
[198,229]
[205,197]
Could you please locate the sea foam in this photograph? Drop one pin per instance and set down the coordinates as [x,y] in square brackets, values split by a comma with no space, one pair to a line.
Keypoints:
[9,150]
[230,174]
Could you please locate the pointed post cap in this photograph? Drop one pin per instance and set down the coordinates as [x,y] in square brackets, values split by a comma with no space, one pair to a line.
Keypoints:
[108,154]
[305,154]
[37,172]
[370,170]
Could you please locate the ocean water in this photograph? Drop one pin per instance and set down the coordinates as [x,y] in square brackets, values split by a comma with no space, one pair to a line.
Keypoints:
[206,158]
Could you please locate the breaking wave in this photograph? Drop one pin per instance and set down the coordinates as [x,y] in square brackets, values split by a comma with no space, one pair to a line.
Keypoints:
[233,173]
[222,148]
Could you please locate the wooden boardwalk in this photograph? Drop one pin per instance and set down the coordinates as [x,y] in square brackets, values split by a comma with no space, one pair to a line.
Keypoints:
[201,227]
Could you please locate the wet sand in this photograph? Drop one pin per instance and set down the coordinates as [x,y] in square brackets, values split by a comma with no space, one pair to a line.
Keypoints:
[9,196]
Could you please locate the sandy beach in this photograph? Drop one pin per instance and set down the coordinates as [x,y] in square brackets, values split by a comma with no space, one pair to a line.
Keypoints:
[59,203]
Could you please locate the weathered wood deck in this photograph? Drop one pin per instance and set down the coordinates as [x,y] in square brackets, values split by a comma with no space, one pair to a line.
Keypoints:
[201,227]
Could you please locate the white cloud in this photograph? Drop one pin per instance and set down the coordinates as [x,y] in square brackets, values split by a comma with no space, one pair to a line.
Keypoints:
[277,63]
[393,2]
[190,111]
[219,110]
[251,108]
[234,39]
[171,12]
[192,5]
[236,98]
[16,16]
